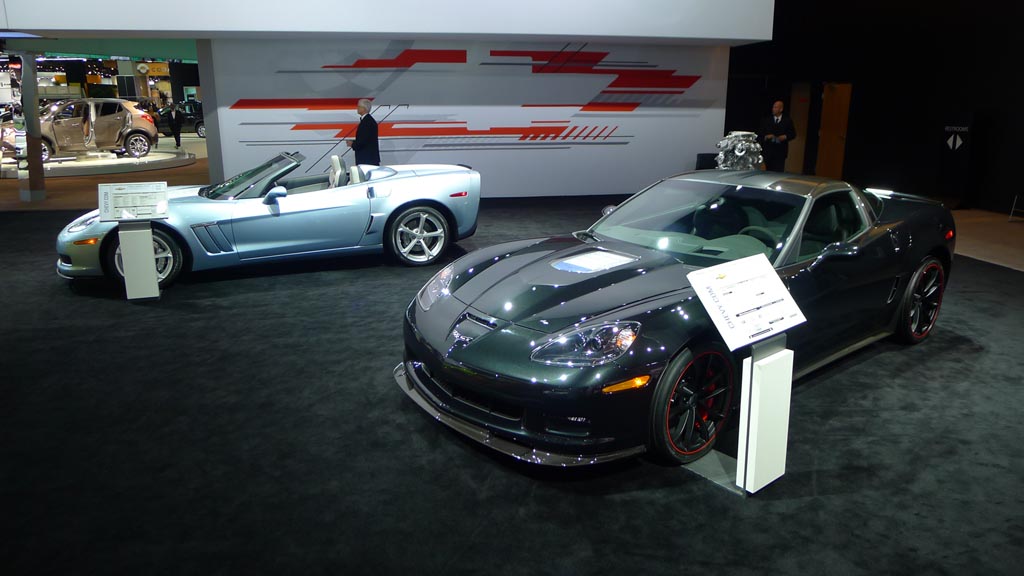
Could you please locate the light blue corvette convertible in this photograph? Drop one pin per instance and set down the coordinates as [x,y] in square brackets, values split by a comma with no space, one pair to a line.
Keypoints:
[413,212]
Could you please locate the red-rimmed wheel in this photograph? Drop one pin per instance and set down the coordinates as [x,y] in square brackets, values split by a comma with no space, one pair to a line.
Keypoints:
[921,302]
[692,402]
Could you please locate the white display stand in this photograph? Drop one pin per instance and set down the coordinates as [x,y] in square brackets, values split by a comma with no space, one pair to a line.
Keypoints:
[140,281]
[134,207]
[750,305]
[764,415]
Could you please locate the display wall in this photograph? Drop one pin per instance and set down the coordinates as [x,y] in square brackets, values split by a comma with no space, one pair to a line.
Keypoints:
[535,118]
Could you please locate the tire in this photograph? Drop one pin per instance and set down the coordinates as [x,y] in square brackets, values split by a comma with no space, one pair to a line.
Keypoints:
[418,236]
[201,130]
[692,403]
[47,151]
[167,253]
[137,144]
[921,302]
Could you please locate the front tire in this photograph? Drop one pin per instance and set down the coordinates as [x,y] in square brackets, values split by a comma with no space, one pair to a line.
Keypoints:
[47,151]
[167,254]
[921,302]
[692,403]
[418,236]
[137,145]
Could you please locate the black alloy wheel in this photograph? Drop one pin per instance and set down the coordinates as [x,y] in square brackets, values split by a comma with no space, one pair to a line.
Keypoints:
[692,403]
[921,302]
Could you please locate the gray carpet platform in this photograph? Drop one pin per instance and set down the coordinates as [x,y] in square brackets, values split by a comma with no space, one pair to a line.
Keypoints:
[248,423]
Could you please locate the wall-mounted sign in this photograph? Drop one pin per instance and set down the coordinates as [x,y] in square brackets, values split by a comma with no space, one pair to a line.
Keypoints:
[746,300]
[136,201]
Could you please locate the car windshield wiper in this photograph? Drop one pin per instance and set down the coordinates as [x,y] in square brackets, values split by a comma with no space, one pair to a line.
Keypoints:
[581,234]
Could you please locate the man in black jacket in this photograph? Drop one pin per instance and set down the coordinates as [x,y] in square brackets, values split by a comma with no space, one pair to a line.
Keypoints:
[776,132]
[174,118]
[365,145]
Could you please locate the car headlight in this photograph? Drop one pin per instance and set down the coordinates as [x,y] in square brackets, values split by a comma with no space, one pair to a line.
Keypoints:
[82,225]
[437,288]
[589,346]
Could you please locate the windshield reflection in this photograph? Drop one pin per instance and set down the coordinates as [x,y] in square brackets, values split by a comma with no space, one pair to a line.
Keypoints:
[705,223]
[253,182]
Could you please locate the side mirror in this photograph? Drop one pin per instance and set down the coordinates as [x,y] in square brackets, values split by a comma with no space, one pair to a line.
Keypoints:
[607,210]
[275,193]
[836,250]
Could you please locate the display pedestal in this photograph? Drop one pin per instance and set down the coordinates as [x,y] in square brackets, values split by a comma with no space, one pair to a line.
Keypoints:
[764,423]
[140,281]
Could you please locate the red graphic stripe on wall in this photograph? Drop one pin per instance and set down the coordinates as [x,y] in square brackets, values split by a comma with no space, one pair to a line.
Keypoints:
[398,130]
[407,59]
[550,62]
[288,103]
[610,107]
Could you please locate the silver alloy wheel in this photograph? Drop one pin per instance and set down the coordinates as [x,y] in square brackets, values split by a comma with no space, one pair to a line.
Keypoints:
[419,236]
[46,151]
[162,254]
[137,145]
[201,130]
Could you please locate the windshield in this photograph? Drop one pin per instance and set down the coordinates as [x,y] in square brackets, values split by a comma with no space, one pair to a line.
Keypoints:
[255,182]
[705,223]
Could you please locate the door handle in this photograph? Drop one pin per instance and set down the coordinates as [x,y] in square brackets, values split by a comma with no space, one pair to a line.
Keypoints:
[369,191]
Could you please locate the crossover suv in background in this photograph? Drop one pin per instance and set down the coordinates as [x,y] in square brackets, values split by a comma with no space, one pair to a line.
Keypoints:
[83,124]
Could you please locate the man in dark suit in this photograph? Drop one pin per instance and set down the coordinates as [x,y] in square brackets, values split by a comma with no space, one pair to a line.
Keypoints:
[365,145]
[174,118]
[776,132]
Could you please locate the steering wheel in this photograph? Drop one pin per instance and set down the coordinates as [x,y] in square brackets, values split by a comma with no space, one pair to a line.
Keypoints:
[759,233]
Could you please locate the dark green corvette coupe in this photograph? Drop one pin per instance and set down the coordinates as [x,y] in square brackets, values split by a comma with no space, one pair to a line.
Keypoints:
[585,348]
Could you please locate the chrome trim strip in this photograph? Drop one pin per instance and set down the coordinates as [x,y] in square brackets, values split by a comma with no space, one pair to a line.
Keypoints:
[404,379]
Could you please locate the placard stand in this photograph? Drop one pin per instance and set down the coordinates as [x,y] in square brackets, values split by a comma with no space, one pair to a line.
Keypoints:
[134,206]
[764,423]
[137,261]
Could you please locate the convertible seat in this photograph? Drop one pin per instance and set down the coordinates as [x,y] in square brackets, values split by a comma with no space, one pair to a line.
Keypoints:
[338,175]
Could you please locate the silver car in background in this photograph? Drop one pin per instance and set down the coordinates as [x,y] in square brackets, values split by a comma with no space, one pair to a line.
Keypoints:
[412,212]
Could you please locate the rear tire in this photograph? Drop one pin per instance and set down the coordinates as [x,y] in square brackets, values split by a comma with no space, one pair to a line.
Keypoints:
[418,236]
[47,151]
[167,253]
[201,130]
[692,403]
[921,302]
[137,145]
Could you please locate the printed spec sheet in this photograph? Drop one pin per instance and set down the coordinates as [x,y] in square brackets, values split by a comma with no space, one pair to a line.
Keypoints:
[746,300]
[135,201]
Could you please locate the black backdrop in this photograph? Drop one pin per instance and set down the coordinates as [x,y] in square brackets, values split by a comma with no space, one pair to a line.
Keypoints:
[915,69]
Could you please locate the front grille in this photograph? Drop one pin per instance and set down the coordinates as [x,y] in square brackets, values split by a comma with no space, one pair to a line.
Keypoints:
[467,402]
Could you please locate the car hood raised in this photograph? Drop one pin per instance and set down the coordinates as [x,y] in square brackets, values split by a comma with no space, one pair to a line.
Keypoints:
[561,281]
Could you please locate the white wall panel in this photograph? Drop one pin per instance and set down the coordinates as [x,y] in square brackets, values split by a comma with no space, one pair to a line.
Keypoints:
[732,21]
[535,118]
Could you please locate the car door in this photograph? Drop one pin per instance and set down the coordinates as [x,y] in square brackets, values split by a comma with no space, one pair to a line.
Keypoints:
[842,274]
[299,223]
[69,125]
[109,123]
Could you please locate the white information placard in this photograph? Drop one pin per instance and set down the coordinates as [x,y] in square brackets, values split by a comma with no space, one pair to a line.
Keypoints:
[746,300]
[134,201]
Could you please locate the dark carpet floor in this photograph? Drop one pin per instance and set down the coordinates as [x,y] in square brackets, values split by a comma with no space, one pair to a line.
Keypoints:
[248,422]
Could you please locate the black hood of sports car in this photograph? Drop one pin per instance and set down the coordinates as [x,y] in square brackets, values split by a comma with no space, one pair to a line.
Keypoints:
[560,281]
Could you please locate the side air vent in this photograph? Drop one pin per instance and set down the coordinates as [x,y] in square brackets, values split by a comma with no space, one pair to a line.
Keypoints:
[212,238]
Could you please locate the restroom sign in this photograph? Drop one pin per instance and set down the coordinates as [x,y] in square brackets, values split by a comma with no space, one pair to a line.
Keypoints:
[956,137]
